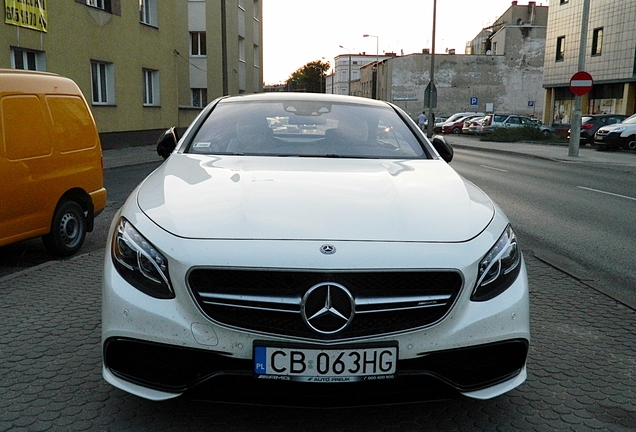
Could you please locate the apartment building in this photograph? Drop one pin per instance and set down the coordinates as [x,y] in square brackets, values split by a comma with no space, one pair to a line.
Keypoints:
[143,65]
[610,57]
[346,69]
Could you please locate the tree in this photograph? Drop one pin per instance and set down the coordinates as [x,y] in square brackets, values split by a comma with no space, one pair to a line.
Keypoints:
[309,78]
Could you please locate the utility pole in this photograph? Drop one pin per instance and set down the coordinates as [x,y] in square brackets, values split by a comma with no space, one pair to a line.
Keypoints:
[575,125]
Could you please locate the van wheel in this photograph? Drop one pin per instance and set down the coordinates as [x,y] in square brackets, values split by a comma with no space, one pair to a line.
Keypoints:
[68,229]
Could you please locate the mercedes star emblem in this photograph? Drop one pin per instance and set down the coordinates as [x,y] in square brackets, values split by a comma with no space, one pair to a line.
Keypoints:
[327,308]
[328,249]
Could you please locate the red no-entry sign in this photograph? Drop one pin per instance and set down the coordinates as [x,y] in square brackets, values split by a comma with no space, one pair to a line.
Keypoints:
[581,83]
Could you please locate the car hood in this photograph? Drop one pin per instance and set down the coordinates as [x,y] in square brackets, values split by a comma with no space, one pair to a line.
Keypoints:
[614,127]
[238,197]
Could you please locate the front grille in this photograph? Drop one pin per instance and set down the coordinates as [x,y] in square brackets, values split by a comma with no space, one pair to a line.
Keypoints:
[271,301]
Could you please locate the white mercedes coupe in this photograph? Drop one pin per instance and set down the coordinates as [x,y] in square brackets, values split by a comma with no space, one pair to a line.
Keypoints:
[313,250]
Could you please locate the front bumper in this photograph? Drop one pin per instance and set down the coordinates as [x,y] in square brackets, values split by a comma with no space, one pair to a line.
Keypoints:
[165,371]
[611,140]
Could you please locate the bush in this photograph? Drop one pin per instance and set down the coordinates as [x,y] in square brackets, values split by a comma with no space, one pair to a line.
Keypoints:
[513,134]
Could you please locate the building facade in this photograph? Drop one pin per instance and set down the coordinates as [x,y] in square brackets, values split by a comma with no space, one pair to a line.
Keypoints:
[610,57]
[507,77]
[346,70]
[142,65]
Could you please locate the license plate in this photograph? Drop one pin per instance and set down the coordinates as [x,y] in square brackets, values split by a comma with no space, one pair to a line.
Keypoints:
[325,365]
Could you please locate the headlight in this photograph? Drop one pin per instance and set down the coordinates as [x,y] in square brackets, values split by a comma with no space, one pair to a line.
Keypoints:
[499,268]
[619,129]
[139,262]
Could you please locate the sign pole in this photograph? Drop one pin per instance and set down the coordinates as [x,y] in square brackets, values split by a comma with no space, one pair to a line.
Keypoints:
[575,124]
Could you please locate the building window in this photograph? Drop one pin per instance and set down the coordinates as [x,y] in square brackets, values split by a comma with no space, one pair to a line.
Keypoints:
[199,97]
[27,59]
[148,12]
[96,3]
[151,87]
[110,6]
[597,41]
[257,10]
[257,56]
[102,83]
[197,44]
[564,1]
[241,41]
[560,48]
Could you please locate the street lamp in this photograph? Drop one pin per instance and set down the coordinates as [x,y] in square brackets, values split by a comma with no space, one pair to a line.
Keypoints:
[377,64]
[349,71]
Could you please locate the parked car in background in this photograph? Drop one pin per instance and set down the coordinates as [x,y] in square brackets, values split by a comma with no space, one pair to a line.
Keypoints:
[455,127]
[348,266]
[454,118]
[472,126]
[545,129]
[492,121]
[618,135]
[590,124]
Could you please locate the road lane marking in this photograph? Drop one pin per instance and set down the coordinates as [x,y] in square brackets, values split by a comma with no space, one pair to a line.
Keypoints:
[608,193]
[494,169]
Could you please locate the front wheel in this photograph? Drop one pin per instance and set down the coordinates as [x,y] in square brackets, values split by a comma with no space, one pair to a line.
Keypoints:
[457,131]
[68,229]
[631,142]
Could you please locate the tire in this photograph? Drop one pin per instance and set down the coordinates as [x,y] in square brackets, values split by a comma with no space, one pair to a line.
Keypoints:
[631,142]
[457,131]
[68,229]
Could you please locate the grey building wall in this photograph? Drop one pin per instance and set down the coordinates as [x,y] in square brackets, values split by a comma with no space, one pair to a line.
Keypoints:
[511,82]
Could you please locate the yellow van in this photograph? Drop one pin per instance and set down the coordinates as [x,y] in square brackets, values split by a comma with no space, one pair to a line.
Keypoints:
[51,168]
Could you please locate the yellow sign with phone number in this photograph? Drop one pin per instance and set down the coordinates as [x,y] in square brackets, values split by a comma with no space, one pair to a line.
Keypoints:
[26,13]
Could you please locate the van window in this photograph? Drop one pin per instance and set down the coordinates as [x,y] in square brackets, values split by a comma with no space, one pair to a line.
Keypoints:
[21,139]
[72,123]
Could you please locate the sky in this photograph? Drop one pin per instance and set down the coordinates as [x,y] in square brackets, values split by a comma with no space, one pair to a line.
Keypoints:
[296,32]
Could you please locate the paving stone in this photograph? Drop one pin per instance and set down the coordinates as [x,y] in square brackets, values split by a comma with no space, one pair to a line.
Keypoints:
[581,369]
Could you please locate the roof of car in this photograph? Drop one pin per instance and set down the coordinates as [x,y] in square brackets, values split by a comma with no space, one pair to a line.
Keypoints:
[290,96]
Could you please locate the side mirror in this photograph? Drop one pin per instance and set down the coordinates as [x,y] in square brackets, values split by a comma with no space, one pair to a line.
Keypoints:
[167,142]
[443,148]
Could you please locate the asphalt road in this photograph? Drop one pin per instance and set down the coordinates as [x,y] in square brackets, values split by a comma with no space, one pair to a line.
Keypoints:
[580,218]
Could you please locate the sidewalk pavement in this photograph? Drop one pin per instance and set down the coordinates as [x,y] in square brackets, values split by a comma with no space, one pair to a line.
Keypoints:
[133,155]
[147,154]
[552,151]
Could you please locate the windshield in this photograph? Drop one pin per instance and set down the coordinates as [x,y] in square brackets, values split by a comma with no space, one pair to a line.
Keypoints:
[305,128]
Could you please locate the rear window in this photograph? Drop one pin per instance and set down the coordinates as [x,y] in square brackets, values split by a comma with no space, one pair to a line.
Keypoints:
[21,139]
[305,128]
[72,123]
